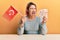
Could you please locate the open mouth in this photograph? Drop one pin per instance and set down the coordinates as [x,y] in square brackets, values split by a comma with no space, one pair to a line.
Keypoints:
[33,12]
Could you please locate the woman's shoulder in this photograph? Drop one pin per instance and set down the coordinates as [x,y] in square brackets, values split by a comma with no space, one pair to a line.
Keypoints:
[38,18]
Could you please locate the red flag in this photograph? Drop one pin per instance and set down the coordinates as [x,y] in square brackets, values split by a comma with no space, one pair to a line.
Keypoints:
[10,13]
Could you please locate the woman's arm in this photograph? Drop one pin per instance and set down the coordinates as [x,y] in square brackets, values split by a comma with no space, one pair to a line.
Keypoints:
[20,30]
[43,29]
[43,26]
[21,25]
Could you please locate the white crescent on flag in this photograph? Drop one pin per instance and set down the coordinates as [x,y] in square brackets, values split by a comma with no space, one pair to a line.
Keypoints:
[11,12]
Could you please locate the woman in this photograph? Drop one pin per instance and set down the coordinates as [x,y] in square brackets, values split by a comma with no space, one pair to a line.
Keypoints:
[31,24]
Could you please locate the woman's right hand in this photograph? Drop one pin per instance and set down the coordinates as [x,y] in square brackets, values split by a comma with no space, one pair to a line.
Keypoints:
[22,21]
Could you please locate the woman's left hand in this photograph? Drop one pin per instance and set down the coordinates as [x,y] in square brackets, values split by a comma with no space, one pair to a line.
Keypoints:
[44,20]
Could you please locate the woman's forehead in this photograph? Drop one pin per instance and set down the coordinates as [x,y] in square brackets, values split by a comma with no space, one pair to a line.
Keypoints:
[32,6]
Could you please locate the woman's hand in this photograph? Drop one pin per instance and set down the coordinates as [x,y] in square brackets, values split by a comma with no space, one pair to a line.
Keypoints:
[44,20]
[22,21]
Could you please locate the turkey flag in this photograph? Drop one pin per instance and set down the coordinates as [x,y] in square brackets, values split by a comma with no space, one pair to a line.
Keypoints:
[10,13]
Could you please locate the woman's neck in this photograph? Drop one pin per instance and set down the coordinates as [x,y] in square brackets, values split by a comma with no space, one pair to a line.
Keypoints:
[31,17]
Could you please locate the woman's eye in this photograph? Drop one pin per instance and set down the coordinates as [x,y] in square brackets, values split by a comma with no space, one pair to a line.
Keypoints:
[31,8]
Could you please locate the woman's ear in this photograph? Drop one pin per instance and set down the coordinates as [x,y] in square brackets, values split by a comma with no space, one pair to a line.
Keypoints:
[27,12]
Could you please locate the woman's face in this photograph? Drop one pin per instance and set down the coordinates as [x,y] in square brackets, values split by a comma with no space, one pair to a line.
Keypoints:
[32,10]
